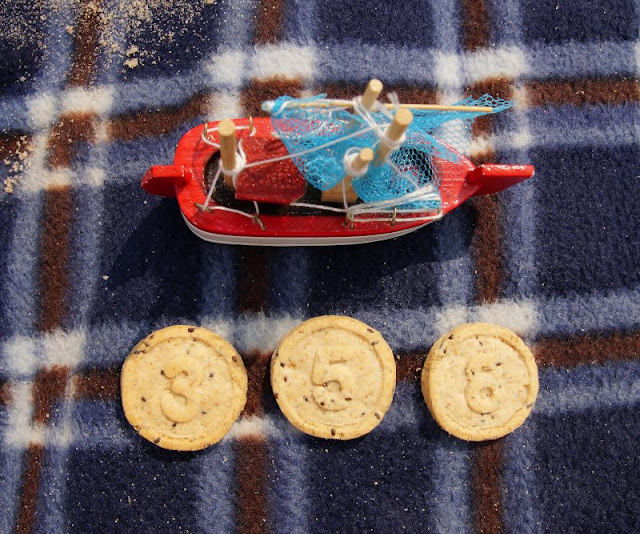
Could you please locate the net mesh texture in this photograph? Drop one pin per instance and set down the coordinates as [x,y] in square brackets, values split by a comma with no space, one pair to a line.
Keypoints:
[329,133]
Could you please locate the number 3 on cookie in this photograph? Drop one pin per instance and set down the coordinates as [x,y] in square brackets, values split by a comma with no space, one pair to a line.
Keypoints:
[333,381]
[185,374]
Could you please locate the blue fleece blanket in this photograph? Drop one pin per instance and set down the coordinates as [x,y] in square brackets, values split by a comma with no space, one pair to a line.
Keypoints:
[93,92]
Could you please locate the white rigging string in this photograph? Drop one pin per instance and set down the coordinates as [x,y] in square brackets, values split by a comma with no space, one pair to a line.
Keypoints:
[420,193]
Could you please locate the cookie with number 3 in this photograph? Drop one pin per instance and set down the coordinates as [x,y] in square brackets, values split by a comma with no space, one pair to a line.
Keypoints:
[183,387]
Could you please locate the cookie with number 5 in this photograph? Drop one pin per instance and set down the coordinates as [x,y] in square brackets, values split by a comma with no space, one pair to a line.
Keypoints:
[183,387]
[333,377]
[480,381]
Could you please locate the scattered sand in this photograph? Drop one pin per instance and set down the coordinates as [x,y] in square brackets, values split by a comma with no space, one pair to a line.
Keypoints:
[17,162]
[123,24]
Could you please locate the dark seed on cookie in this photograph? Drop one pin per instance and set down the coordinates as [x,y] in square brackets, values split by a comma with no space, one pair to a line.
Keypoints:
[374,343]
[234,358]
[348,398]
[156,441]
[369,330]
[190,330]
[281,364]
[143,399]
[333,431]
[285,378]
[377,416]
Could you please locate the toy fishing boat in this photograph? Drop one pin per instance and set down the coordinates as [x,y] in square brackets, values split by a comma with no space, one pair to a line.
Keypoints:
[329,172]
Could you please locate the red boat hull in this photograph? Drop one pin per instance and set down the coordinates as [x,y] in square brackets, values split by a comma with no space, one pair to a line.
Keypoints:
[185,180]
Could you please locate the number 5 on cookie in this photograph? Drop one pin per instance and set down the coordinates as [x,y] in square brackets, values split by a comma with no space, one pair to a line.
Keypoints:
[333,380]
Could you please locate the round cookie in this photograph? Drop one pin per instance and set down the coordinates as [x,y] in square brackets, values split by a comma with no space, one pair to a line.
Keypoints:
[480,381]
[333,377]
[183,387]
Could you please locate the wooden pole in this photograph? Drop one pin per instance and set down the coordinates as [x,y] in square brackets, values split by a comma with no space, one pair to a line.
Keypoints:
[227,133]
[371,93]
[427,107]
[369,97]
[362,159]
[401,121]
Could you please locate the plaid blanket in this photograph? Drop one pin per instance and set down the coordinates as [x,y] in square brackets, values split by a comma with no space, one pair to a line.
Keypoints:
[93,92]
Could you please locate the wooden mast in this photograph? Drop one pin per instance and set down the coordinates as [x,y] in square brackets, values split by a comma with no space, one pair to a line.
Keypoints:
[227,133]
[401,121]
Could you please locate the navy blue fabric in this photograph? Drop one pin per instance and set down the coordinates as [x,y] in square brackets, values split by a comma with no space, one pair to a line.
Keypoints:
[139,489]
[602,200]
[402,23]
[134,242]
[21,50]
[591,20]
[603,468]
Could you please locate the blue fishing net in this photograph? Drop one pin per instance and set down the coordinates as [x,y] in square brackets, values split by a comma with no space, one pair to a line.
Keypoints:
[322,134]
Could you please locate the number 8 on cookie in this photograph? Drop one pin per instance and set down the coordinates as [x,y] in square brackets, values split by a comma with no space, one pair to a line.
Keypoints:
[333,377]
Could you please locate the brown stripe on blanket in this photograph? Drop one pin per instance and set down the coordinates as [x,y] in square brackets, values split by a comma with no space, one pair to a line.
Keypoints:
[155,123]
[251,467]
[484,126]
[49,386]
[486,474]
[85,44]
[257,91]
[71,129]
[54,246]
[487,249]
[587,349]
[97,384]
[29,491]
[5,393]
[409,366]
[583,91]
[253,279]
[487,239]
[475,25]
[269,21]
[407,94]
[257,365]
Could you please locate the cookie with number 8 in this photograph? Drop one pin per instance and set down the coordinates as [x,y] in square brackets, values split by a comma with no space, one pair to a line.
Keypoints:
[183,387]
[480,381]
[333,377]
